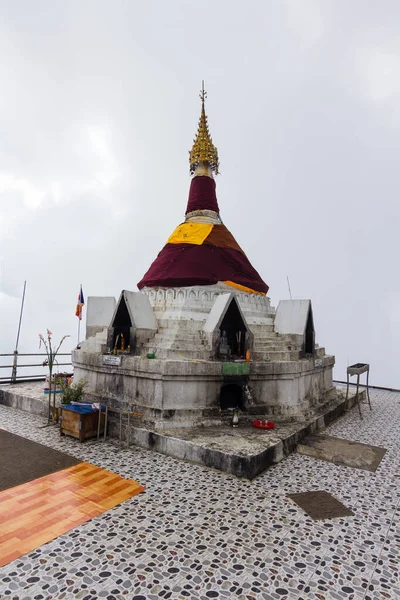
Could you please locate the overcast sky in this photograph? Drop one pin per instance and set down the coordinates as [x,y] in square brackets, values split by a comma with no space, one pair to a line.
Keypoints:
[98,109]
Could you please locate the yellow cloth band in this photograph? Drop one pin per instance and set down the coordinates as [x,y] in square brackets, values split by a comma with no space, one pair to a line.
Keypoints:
[190,233]
[243,288]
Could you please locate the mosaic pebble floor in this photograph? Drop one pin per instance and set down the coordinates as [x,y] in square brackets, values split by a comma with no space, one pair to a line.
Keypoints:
[199,533]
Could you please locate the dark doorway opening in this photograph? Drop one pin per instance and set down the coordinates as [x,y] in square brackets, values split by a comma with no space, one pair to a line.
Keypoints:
[122,327]
[234,331]
[310,335]
[231,396]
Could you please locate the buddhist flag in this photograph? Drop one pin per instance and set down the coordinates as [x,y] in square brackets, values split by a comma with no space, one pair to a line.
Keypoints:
[80,305]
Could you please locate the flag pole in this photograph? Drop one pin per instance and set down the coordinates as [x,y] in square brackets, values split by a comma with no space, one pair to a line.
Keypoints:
[80,313]
[14,368]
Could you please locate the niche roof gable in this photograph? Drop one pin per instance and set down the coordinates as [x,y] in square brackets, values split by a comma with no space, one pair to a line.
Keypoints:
[292,315]
[100,310]
[219,310]
[139,309]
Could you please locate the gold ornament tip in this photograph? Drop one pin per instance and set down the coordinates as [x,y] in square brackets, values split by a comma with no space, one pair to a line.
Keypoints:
[203,149]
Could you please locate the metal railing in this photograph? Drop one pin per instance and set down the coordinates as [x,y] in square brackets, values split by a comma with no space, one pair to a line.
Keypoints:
[14,377]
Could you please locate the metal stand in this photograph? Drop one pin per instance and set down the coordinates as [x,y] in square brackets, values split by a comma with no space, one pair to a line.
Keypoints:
[121,411]
[99,421]
[358,369]
[105,421]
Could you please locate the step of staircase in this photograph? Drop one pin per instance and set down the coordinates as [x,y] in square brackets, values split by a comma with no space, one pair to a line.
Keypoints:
[173,354]
[273,347]
[181,336]
[276,356]
[179,324]
[91,347]
[178,346]
[261,330]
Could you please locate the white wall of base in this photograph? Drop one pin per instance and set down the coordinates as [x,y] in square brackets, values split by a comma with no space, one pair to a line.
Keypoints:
[184,393]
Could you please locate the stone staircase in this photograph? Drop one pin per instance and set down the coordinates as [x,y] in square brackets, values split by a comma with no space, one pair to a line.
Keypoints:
[96,343]
[273,347]
[177,340]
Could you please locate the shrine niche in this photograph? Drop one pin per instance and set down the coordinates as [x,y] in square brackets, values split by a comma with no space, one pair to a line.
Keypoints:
[226,329]
[122,330]
[132,324]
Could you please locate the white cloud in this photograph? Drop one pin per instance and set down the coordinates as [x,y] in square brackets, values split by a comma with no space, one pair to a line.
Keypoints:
[107,171]
[307,19]
[32,195]
[377,72]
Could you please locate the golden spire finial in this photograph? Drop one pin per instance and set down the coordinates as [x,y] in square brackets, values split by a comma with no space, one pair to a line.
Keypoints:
[203,149]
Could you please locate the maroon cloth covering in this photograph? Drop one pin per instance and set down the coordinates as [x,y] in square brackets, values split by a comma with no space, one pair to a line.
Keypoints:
[180,265]
[202,194]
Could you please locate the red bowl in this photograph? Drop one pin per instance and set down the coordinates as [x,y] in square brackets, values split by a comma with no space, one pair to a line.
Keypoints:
[263,424]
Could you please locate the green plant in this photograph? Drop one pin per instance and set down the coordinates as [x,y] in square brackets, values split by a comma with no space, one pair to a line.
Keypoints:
[73,392]
[50,362]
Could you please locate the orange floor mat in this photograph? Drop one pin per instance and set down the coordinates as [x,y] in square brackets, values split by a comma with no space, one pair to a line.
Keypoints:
[38,511]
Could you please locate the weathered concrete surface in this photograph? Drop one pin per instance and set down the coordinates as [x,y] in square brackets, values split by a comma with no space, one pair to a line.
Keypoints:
[244,452]
[342,452]
[187,392]
[28,397]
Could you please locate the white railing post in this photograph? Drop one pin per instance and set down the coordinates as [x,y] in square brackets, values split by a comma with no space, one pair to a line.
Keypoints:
[14,367]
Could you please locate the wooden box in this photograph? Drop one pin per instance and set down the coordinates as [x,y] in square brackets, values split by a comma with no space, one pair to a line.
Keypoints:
[80,422]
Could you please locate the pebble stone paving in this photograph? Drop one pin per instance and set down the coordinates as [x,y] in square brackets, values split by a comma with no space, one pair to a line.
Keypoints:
[199,533]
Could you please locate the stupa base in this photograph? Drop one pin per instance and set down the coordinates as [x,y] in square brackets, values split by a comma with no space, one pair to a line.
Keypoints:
[172,394]
[244,451]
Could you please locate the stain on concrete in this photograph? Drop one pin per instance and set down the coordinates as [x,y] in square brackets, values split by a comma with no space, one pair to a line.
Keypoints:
[342,452]
[320,505]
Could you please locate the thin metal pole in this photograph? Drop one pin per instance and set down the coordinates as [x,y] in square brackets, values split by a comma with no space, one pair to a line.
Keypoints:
[358,398]
[369,400]
[14,369]
[290,292]
[20,316]
[99,422]
[105,423]
[79,328]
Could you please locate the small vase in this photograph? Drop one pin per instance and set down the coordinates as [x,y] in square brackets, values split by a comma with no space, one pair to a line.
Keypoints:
[235,418]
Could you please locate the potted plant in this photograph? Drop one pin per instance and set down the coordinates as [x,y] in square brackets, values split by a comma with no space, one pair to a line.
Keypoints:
[72,392]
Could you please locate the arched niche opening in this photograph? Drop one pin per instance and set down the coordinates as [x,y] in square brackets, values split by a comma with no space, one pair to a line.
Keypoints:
[231,396]
[309,338]
[233,331]
[121,325]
